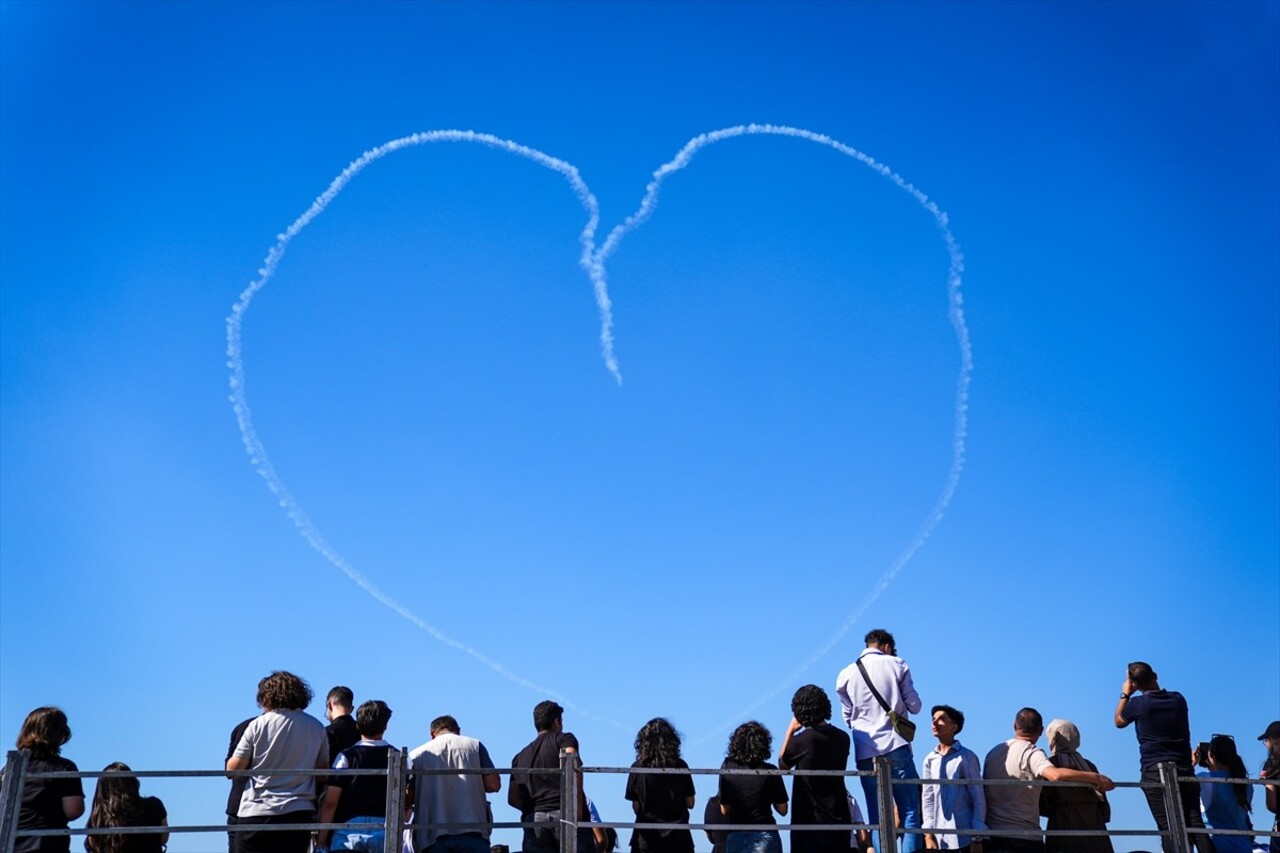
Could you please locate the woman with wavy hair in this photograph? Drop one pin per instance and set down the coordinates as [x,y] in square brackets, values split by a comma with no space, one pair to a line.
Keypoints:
[47,803]
[746,798]
[1227,806]
[283,739]
[660,797]
[118,801]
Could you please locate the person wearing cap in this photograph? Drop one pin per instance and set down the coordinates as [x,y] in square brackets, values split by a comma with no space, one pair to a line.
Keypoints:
[1271,771]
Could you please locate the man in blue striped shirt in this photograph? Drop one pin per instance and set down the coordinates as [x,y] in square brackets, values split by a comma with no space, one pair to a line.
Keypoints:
[957,807]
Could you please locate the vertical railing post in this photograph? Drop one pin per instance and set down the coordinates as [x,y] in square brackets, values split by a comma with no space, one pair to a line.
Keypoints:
[568,801]
[1173,807]
[397,779]
[15,767]
[884,798]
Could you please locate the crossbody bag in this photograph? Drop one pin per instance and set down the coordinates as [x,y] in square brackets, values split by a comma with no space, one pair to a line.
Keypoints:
[901,724]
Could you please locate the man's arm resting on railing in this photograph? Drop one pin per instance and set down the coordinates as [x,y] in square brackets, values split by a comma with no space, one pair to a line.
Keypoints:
[1066,774]
[234,763]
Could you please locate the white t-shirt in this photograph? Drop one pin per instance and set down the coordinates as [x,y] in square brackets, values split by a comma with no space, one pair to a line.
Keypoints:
[281,740]
[1014,806]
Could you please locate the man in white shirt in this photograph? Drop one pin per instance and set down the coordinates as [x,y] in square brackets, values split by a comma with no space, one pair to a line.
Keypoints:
[452,798]
[873,733]
[1017,807]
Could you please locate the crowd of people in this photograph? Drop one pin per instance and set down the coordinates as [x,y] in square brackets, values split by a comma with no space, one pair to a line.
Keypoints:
[449,811]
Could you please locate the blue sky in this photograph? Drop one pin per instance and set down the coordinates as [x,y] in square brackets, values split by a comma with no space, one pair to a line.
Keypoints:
[424,368]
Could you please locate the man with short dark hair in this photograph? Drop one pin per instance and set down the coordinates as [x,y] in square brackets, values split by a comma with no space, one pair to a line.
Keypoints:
[342,730]
[535,793]
[812,743]
[1164,734]
[952,807]
[1017,807]
[359,800]
[457,798]
[877,683]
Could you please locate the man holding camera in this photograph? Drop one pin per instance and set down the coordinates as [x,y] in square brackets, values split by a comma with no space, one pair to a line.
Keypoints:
[1164,734]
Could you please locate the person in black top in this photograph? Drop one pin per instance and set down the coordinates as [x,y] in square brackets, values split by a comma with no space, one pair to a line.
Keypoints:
[237,785]
[359,799]
[747,798]
[812,743]
[118,801]
[47,803]
[660,797]
[1164,734]
[342,729]
[712,816]
[536,795]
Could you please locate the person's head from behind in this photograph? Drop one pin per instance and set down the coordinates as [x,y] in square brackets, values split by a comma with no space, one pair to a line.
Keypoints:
[283,691]
[811,706]
[1142,676]
[658,744]
[44,731]
[1224,757]
[945,723]
[115,795]
[548,716]
[879,638]
[339,702]
[1029,724]
[1063,737]
[750,743]
[445,724]
[372,718]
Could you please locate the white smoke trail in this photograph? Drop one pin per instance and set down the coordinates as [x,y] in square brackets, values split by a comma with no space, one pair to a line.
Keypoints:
[244,416]
[956,312]
[592,260]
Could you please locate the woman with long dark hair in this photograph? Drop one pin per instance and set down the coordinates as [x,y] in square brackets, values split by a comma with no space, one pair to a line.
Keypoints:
[1227,806]
[118,801]
[660,797]
[749,798]
[47,803]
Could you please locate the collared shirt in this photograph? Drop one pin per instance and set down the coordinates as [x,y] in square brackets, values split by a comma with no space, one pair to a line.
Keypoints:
[1014,806]
[872,729]
[953,806]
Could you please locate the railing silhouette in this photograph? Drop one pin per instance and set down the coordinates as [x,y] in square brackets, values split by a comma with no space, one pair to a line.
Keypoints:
[400,778]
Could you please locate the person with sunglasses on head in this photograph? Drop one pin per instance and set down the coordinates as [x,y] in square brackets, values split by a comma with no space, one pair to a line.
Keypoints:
[1226,806]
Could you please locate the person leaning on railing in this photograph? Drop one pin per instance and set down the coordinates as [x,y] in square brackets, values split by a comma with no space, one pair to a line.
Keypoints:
[47,803]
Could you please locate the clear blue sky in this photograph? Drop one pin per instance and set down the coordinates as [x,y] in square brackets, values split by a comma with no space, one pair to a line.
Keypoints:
[424,369]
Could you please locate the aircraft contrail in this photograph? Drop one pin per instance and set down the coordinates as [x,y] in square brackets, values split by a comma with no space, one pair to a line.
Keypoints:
[593,260]
[244,416]
[956,312]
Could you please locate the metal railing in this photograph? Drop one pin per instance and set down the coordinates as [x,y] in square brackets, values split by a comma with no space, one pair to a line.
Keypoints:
[570,771]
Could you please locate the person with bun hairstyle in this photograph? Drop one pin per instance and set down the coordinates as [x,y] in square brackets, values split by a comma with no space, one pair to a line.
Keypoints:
[47,803]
